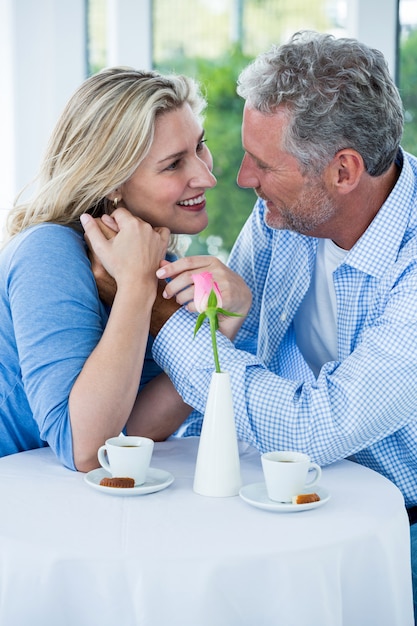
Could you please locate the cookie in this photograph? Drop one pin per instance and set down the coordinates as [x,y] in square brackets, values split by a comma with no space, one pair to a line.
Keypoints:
[120,483]
[305,498]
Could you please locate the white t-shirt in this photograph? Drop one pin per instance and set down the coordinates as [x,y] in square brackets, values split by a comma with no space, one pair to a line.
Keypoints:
[315,322]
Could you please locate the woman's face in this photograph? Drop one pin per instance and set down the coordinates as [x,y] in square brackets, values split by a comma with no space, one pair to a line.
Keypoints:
[168,187]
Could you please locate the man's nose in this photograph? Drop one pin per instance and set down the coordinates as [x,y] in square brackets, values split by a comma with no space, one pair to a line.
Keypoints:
[246,176]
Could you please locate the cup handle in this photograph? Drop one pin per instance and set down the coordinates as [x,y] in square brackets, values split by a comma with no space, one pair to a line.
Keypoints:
[102,458]
[316,469]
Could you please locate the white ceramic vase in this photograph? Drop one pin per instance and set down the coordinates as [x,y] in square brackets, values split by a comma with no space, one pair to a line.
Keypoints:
[217,471]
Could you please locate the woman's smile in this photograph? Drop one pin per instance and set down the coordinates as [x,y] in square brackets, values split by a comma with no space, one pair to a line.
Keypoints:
[195,204]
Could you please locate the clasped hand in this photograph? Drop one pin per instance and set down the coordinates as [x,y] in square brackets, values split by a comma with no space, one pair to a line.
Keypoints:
[123,249]
[179,290]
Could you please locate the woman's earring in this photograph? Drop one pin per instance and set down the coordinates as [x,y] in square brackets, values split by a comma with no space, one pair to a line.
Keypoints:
[115,203]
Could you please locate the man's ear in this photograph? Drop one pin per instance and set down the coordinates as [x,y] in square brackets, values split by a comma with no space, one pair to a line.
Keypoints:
[346,170]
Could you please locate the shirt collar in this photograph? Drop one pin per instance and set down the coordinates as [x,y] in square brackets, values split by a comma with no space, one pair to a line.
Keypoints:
[379,245]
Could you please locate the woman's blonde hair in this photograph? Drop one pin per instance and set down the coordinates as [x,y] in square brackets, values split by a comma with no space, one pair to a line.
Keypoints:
[103,134]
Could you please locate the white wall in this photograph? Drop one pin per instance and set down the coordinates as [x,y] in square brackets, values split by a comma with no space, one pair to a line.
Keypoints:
[42,57]
[129,36]
[43,60]
[374,23]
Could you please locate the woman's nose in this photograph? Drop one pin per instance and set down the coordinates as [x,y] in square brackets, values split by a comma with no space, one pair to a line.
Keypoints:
[246,176]
[203,176]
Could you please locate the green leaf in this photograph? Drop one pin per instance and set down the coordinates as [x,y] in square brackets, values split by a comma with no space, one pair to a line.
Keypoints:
[212,300]
[199,321]
[229,313]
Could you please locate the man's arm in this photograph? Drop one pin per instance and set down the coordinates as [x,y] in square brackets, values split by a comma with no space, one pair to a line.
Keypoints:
[106,284]
[159,410]
[162,309]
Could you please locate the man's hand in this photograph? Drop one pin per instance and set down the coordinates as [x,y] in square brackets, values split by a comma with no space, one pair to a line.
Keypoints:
[106,284]
[162,310]
[236,295]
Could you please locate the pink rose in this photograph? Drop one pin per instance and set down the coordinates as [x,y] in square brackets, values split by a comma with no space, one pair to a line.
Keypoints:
[203,285]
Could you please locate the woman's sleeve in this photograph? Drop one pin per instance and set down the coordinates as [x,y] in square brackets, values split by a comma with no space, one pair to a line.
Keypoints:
[58,320]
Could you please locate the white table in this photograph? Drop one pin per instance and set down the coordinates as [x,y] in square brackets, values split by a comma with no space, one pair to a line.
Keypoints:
[72,556]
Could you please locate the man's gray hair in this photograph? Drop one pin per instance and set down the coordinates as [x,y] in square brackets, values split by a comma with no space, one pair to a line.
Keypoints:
[339,94]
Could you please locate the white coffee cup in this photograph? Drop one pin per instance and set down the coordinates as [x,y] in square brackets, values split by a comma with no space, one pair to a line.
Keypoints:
[127,457]
[286,474]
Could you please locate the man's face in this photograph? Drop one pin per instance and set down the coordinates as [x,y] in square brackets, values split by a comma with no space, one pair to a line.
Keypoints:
[294,201]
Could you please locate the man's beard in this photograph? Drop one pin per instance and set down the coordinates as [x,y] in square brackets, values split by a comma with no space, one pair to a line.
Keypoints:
[312,209]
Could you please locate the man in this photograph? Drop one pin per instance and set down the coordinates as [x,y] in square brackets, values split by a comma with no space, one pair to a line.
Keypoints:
[325,362]
[326,359]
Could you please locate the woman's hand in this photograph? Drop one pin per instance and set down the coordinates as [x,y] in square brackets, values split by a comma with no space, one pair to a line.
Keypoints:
[127,249]
[236,295]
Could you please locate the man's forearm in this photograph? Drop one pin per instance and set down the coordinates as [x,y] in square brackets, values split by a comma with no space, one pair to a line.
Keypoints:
[162,310]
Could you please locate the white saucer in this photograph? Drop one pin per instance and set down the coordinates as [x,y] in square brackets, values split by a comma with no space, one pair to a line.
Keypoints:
[156,480]
[256,495]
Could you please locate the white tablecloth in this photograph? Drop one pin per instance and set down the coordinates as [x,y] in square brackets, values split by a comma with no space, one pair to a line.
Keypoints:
[72,556]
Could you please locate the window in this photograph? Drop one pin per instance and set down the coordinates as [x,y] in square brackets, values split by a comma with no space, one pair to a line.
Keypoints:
[213,40]
[407,74]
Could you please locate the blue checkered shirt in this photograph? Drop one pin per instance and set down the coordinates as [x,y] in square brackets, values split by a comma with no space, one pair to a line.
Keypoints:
[365,403]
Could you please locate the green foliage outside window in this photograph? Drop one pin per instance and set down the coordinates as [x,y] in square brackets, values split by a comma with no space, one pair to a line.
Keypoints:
[408,90]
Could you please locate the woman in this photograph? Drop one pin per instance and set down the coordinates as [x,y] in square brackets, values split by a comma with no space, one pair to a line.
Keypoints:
[129,144]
